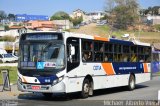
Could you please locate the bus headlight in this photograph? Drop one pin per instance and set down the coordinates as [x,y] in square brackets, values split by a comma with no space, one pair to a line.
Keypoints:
[57,80]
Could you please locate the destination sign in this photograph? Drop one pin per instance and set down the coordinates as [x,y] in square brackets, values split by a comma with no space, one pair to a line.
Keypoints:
[41,37]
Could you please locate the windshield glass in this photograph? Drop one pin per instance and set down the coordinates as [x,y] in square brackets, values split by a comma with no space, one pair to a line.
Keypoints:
[8,55]
[42,56]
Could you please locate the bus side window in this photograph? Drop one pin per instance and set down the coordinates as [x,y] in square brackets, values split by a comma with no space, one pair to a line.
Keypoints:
[98,51]
[87,50]
[108,52]
[108,57]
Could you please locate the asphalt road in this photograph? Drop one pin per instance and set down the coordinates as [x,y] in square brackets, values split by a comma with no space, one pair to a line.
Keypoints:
[144,91]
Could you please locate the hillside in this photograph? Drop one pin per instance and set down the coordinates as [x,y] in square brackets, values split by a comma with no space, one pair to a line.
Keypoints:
[103,31]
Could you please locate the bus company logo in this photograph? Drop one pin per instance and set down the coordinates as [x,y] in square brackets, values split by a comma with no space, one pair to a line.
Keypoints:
[97,67]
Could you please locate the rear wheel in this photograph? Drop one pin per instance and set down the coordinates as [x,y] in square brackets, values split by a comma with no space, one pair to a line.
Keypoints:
[131,83]
[85,88]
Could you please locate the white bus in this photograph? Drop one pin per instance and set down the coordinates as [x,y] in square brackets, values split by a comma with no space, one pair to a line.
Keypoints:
[63,62]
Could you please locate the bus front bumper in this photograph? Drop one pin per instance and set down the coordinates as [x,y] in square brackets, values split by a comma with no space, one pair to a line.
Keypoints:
[57,88]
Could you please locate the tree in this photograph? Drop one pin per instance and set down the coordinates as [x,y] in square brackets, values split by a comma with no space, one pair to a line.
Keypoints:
[6,27]
[77,21]
[2,15]
[60,15]
[152,10]
[11,17]
[123,12]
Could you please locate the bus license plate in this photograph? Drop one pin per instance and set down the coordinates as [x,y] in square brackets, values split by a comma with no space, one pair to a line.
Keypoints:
[36,87]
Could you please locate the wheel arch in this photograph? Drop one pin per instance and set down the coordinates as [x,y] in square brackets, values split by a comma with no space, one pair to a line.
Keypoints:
[133,75]
[89,77]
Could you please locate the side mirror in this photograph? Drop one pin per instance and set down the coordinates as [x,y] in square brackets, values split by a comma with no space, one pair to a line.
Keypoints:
[71,52]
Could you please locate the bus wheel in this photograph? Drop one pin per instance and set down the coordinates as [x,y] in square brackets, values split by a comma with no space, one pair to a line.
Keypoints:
[85,89]
[131,84]
[47,95]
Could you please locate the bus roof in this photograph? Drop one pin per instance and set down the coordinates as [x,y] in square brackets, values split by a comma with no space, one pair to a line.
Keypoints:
[85,36]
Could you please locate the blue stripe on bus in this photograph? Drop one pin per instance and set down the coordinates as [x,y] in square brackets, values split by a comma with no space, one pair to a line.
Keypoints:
[121,42]
[47,80]
[128,67]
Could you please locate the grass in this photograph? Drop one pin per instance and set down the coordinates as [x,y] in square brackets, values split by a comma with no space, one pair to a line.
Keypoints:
[158,73]
[12,74]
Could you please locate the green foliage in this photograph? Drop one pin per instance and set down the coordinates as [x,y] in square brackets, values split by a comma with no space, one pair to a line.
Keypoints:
[61,15]
[104,18]
[103,28]
[157,27]
[76,21]
[7,38]
[152,10]
[123,14]
[11,17]
[6,27]
[12,73]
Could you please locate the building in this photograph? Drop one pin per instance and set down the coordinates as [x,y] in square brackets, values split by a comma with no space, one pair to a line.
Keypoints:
[97,15]
[15,23]
[77,13]
[2,28]
[63,24]
[25,17]
[90,16]
[14,31]
[153,19]
[40,25]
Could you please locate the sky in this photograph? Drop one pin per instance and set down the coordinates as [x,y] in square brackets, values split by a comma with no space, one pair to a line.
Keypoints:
[49,7]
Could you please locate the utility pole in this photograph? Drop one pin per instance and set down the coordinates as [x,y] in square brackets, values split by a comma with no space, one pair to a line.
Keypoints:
[139,28]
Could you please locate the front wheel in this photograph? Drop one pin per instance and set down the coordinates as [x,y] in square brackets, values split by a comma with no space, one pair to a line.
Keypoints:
[131,83]
[85,88]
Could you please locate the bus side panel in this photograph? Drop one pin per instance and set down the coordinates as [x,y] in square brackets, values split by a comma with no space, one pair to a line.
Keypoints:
[110,81]
[74,81]
[143,77]
[74,84]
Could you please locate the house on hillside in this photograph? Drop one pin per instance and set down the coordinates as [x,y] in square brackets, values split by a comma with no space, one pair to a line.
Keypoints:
[2,28]
[14,31]
[63,24]
[90,16]
[40,25]
[78,13]
[94,16]
[153,19]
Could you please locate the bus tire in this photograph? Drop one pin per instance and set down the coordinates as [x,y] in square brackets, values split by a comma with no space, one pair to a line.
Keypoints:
[131,82]
[85,88]
[47,95]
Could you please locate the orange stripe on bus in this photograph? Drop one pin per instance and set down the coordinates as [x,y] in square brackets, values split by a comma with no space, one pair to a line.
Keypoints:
[24,80]
[145,67]
[108,68]
[101,39]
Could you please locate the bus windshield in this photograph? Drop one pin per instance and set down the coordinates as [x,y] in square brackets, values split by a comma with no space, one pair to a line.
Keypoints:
[42,56]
